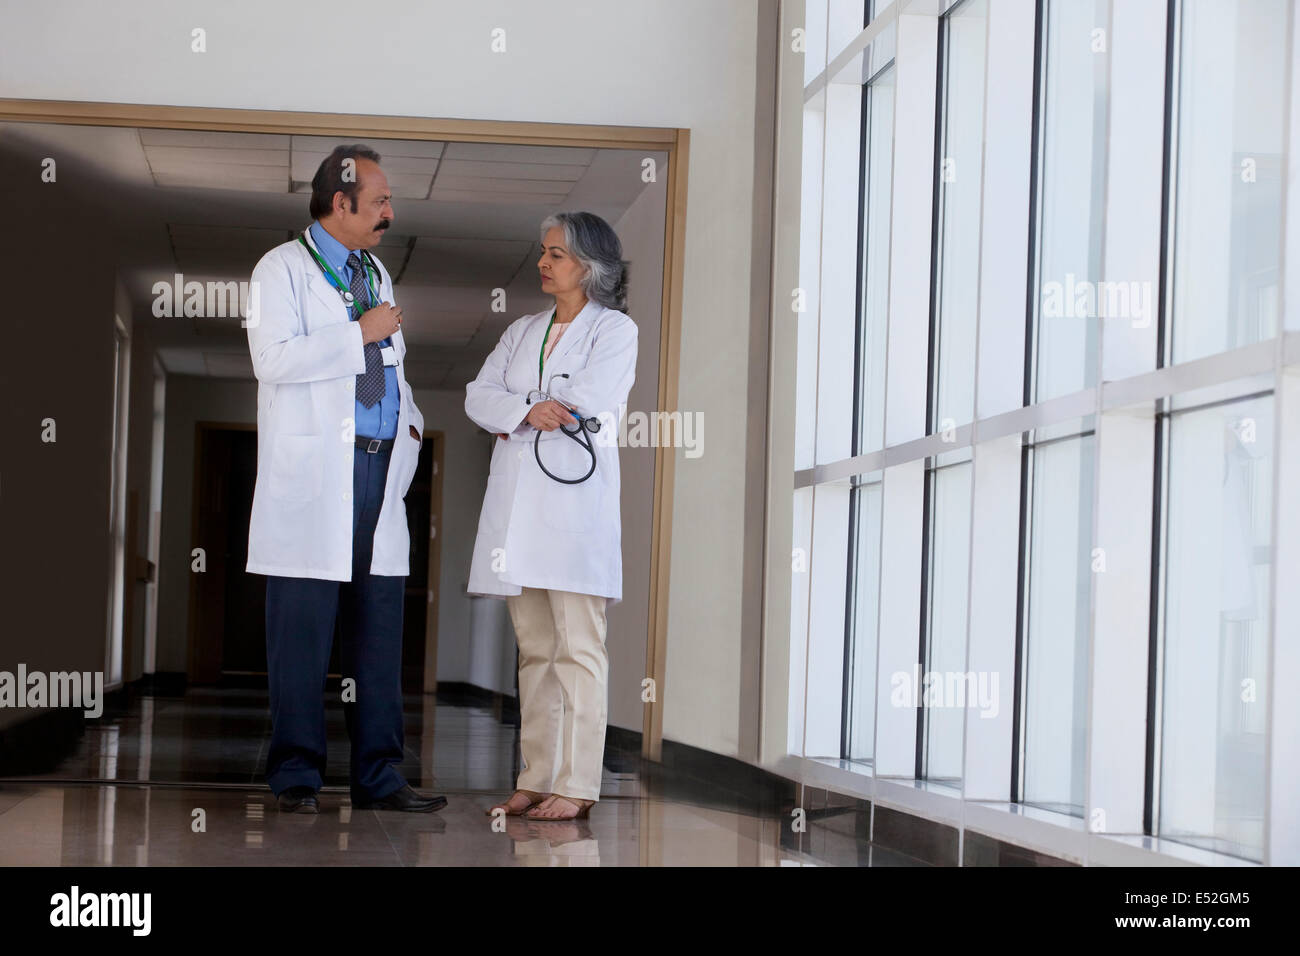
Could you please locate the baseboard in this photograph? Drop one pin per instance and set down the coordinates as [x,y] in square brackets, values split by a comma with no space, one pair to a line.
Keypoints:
[40,743]
[161,684]
[463,694]
[620,738]
[978,849]
[847,829]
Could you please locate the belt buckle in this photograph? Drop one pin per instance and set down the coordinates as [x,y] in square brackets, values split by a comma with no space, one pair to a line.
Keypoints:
[373,446]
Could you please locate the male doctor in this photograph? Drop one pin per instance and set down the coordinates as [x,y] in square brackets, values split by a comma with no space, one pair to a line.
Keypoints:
[338,440]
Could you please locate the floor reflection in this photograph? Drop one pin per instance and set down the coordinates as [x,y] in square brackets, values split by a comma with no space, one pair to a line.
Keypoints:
[178,781]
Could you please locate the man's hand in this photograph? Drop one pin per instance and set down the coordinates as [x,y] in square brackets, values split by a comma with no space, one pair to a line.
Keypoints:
[414,433]
[380,322]
[548,416]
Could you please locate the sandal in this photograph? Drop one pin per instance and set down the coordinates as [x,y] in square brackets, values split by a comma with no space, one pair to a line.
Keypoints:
[584,810]
[505,805]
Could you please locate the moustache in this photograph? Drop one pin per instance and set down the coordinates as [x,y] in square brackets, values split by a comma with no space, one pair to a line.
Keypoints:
[383,224]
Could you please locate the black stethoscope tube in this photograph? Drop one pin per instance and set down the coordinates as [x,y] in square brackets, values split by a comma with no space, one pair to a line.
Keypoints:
[584,441]
[584,425]
[368,267]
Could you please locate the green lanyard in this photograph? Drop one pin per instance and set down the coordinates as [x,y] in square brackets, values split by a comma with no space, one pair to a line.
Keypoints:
[542,351]
[338,283]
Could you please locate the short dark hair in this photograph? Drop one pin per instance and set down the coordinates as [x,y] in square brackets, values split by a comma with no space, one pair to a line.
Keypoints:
[329,178]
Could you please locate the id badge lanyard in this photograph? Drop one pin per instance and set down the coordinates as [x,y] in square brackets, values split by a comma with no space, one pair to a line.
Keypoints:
[348,298]
[372,280]
[541,353]
[579,431]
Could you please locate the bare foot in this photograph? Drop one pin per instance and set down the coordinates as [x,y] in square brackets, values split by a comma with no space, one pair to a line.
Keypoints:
[560,808]
[517,803]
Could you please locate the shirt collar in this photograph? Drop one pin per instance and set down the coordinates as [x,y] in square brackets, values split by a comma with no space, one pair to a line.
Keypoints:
[333,251]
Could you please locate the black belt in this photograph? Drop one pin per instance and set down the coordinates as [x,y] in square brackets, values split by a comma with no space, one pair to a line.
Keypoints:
[373,445]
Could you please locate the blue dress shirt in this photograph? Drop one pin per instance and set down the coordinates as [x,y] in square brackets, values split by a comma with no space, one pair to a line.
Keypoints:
[380,420]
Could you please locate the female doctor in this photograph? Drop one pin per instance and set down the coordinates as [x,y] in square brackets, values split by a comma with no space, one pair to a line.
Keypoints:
[548,541]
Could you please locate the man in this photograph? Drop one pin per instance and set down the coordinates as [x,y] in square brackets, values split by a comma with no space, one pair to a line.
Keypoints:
[338,440]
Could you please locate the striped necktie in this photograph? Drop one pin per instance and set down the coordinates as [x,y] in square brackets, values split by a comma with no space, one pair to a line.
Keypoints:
[370,383]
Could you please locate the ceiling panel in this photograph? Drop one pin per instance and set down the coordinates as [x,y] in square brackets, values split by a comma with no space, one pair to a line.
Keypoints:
[183,155]
[228,364]
[220,237]
[207,160]
[502,152]
[487,263]
[492,196]
[540,187]
[565,172]
[421,298]
[409,179]
[392,244]
[384,147]
[215,176]
[183,361]
[408,164]
[205,138]
[221,250]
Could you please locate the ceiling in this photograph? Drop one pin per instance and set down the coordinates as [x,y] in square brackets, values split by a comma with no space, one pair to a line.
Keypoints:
[207,205]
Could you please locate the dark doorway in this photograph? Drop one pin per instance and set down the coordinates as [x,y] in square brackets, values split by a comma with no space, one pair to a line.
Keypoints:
[421,585]
[228,606]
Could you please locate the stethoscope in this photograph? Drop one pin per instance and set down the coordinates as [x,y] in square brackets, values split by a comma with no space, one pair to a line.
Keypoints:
[369,269]
[579,432]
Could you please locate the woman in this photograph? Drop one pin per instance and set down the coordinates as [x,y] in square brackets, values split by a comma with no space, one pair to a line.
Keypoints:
[550,543]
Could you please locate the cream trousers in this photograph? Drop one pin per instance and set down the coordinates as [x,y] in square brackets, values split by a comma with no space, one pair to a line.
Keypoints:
[563,690]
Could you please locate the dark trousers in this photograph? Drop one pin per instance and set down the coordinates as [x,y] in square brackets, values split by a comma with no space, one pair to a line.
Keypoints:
[300,618]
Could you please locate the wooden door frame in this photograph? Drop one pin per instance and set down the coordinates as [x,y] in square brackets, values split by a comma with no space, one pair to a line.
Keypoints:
[674,141]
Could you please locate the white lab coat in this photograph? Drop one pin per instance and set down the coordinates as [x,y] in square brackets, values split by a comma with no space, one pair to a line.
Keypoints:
[306,356]
[534,531]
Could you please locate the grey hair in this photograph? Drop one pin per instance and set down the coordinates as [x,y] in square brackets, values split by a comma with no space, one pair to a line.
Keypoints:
[595,245]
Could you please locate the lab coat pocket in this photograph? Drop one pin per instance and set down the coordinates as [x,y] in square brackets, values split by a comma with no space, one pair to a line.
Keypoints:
[496,503]
[411,465]
[568,507]
[295,467]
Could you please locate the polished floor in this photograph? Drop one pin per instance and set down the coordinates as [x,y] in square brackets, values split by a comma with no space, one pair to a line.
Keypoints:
[178,781]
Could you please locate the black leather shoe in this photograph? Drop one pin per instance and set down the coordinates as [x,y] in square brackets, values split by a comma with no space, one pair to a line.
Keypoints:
[298,800]
[404,799]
